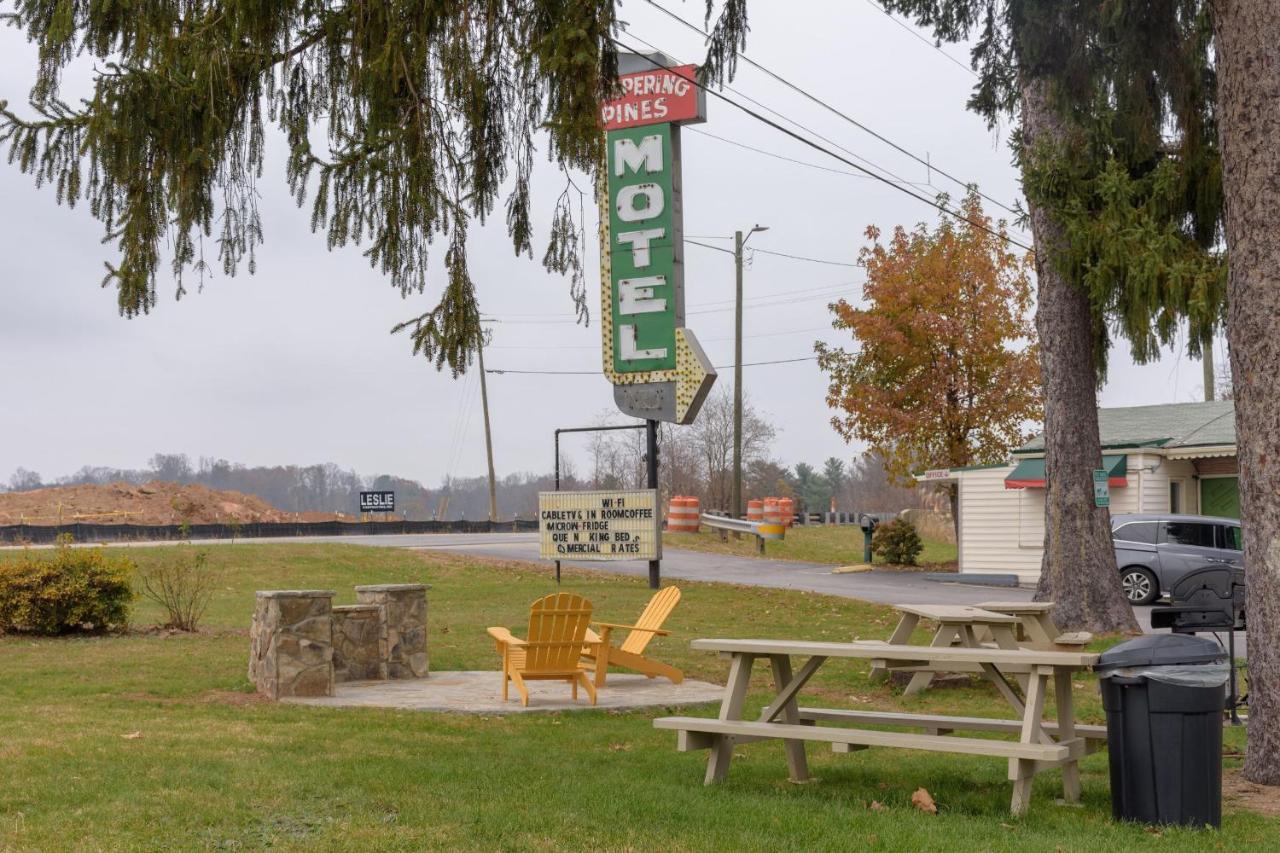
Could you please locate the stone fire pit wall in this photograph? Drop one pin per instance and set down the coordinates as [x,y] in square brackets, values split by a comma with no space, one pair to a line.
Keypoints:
[357,642]
[403,644]
[291,643]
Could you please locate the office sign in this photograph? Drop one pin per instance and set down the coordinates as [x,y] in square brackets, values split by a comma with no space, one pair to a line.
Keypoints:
[1101,488]
[377,501]
[600,525]
[658,370]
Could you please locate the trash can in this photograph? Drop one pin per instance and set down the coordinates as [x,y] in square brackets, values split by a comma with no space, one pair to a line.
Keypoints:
[1164,696]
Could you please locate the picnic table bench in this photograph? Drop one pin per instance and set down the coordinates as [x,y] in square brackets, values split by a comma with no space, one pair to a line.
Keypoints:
[1036,626]
[1041,744]
[956,624]
[1009,625]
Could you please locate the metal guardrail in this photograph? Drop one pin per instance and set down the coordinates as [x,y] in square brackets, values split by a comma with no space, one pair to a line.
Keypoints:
[762,530]
[737,525]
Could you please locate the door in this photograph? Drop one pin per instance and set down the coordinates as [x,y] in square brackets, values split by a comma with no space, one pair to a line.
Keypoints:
[1220,496]
[1230,544]
[1183,546]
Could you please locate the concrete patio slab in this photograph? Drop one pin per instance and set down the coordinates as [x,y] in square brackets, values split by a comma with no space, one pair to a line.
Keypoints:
[481,693]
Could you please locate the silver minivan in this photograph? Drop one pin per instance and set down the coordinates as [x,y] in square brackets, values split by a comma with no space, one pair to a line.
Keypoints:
[1154,551]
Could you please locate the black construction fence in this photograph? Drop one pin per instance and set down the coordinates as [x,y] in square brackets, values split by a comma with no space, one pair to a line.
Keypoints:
[20,534]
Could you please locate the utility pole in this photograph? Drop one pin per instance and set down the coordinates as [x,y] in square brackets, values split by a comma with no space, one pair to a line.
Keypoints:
[651,465]
[735,510]
[739,240]
[488,436]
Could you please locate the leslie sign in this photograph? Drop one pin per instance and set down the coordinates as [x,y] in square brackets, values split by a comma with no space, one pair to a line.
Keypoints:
[600,525]
[656,96]
[377,501]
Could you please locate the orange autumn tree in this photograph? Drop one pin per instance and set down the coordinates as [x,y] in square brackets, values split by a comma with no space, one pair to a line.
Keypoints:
[945,372]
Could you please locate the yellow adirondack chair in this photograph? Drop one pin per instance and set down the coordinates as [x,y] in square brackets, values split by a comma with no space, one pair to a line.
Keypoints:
[600,653]
[557,631]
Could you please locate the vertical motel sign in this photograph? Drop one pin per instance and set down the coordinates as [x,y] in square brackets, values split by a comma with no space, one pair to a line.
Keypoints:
[655,364]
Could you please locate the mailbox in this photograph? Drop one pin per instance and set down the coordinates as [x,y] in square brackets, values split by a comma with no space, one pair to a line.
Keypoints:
[869,521]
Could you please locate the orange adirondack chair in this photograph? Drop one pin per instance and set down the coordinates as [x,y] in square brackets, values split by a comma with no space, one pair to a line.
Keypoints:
[600,653]
[557,632]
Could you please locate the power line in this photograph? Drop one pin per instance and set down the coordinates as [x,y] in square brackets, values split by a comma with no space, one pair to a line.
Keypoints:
[787,159]
[709,246]
[775,254]
[750,112]
[821,290]
[772,300]
[706,341]
[804,258]
[815,99]
[597,373]
[715,306]
[893,176]
[921,38]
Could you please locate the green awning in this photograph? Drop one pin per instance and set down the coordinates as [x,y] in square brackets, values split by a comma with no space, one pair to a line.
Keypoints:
[1029,473]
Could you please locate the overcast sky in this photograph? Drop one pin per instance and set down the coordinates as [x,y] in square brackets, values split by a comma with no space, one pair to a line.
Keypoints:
[296,364]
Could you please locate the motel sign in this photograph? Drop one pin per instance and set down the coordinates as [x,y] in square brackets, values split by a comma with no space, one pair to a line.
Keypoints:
[658,370]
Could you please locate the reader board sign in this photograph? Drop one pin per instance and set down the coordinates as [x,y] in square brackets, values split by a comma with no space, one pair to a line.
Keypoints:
[653,96]
[600,525]
[377,501]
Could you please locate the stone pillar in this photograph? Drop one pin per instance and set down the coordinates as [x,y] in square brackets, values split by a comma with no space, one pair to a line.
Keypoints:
[291,643]
[404,627]
[357,642]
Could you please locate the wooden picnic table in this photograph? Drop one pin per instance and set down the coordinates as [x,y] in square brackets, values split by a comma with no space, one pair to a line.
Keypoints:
[1041,744]
[960,624]
[1036,625]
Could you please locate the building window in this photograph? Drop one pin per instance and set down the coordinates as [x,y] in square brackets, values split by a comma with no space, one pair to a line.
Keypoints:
[1175,496]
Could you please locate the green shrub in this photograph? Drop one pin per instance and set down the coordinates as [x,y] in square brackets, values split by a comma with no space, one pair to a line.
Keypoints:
[65,590]
[897,542]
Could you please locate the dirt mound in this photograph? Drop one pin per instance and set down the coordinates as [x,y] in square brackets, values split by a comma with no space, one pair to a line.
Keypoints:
[124,503]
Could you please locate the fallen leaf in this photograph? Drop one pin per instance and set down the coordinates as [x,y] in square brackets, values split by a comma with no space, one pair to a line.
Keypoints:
[619,747]
[132,735]
[877,806]
[921,800]
[1154,830]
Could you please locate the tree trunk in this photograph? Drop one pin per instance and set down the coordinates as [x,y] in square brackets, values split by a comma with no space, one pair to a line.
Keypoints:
[1248,32]
[1078,571]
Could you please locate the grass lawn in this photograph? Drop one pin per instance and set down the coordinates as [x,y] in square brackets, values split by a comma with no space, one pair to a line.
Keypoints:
[819,543]
[150,740]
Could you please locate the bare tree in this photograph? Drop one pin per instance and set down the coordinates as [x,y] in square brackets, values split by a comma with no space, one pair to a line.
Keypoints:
[24,480]
[713,435]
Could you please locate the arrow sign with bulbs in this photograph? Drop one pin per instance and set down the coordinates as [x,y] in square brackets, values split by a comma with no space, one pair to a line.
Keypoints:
[655,364]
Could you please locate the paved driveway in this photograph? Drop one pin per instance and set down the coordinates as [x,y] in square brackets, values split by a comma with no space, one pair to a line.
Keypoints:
[880,587]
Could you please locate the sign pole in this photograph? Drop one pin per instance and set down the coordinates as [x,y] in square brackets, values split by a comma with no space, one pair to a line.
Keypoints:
[651,457]
[557,489]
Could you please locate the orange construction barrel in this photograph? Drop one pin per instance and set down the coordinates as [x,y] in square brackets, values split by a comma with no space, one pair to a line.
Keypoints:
[755,510]
[682,515]
[787,508]
[771,526]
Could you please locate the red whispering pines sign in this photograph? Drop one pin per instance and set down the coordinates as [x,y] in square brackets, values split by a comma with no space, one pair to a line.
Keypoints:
[654,97]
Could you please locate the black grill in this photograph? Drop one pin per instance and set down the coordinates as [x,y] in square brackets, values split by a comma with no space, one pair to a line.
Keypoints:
[1211,598]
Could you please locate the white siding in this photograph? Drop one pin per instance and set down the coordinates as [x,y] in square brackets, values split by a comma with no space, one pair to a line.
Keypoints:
[1002,530]
[995,521]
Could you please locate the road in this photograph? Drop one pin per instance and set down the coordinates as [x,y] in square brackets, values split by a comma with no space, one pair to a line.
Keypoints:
[880,587]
